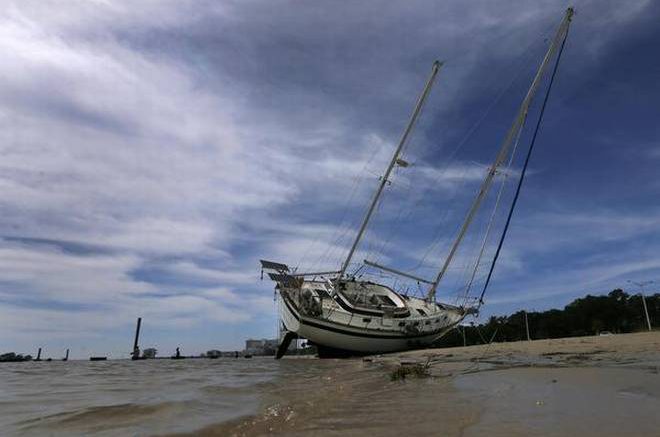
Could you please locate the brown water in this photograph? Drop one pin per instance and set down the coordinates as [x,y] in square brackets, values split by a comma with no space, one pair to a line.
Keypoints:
[130,398]
[222,396]
[309,397]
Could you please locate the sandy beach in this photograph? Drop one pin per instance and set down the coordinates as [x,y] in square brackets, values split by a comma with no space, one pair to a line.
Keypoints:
[639,350]
[602,385]
[587,386]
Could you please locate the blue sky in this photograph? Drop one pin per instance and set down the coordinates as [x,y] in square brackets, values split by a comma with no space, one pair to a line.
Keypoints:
[152,152]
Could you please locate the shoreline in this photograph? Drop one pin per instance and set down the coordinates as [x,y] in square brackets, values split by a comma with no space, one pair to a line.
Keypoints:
[541,387]
[636,349]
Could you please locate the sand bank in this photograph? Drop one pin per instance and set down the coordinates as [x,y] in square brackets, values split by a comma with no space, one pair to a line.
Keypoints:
[600,386]
[588,386]
[641,350]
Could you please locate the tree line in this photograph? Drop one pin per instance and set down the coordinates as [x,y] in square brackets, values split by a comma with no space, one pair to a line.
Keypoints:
[616,312]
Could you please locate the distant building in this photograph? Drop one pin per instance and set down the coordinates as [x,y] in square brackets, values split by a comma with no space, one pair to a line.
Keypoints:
[260,347]
[213,353]
[270,346]
[252,346]
[149,352]
[255,347]
[263,346]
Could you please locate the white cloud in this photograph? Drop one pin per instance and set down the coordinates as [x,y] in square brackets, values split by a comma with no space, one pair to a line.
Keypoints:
[50,296]
[190,271]
[603,248]
[192,137]
[45,273]
[595,278]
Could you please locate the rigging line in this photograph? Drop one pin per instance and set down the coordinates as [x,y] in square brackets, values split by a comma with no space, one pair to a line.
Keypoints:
[476,361]
[485,240]
[461,271]
[404,137]
[377,246]
[355,184]
[524,169]
[345,223]
[459,290]
[436,239]
[482,337]
[475,364]
[405,193]
[340,233]
[420,197]
[518,72]
[387,240]
[492,217]
[402,212]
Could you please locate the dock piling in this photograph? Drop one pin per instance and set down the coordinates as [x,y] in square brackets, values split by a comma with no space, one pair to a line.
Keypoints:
[135,355]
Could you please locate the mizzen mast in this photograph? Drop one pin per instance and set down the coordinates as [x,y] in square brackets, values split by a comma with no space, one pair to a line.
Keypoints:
[517,125]
[395,160]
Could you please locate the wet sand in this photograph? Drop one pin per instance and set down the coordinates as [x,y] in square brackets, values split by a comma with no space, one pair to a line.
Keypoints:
[587,386]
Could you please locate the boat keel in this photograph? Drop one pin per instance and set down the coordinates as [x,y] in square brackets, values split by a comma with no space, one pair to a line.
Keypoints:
[284,344]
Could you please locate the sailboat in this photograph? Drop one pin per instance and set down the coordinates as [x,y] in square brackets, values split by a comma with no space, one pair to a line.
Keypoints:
[344,315]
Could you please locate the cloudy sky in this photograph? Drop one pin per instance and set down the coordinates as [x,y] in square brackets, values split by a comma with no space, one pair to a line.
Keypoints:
[151,152]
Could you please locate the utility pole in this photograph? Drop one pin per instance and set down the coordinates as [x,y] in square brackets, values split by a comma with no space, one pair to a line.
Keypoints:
[646,311]
[464,340]
[527,327]
[641,286]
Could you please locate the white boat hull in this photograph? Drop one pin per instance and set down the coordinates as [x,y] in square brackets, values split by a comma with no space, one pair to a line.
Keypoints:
[326,334]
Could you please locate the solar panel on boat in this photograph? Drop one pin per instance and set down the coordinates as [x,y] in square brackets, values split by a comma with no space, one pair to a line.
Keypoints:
[279,278]
[273,265]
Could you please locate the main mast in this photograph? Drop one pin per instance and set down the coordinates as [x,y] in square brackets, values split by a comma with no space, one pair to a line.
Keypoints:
[390,167]
[518,123]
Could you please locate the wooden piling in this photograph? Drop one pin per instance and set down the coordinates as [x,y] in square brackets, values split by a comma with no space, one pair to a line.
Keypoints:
[136,350]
